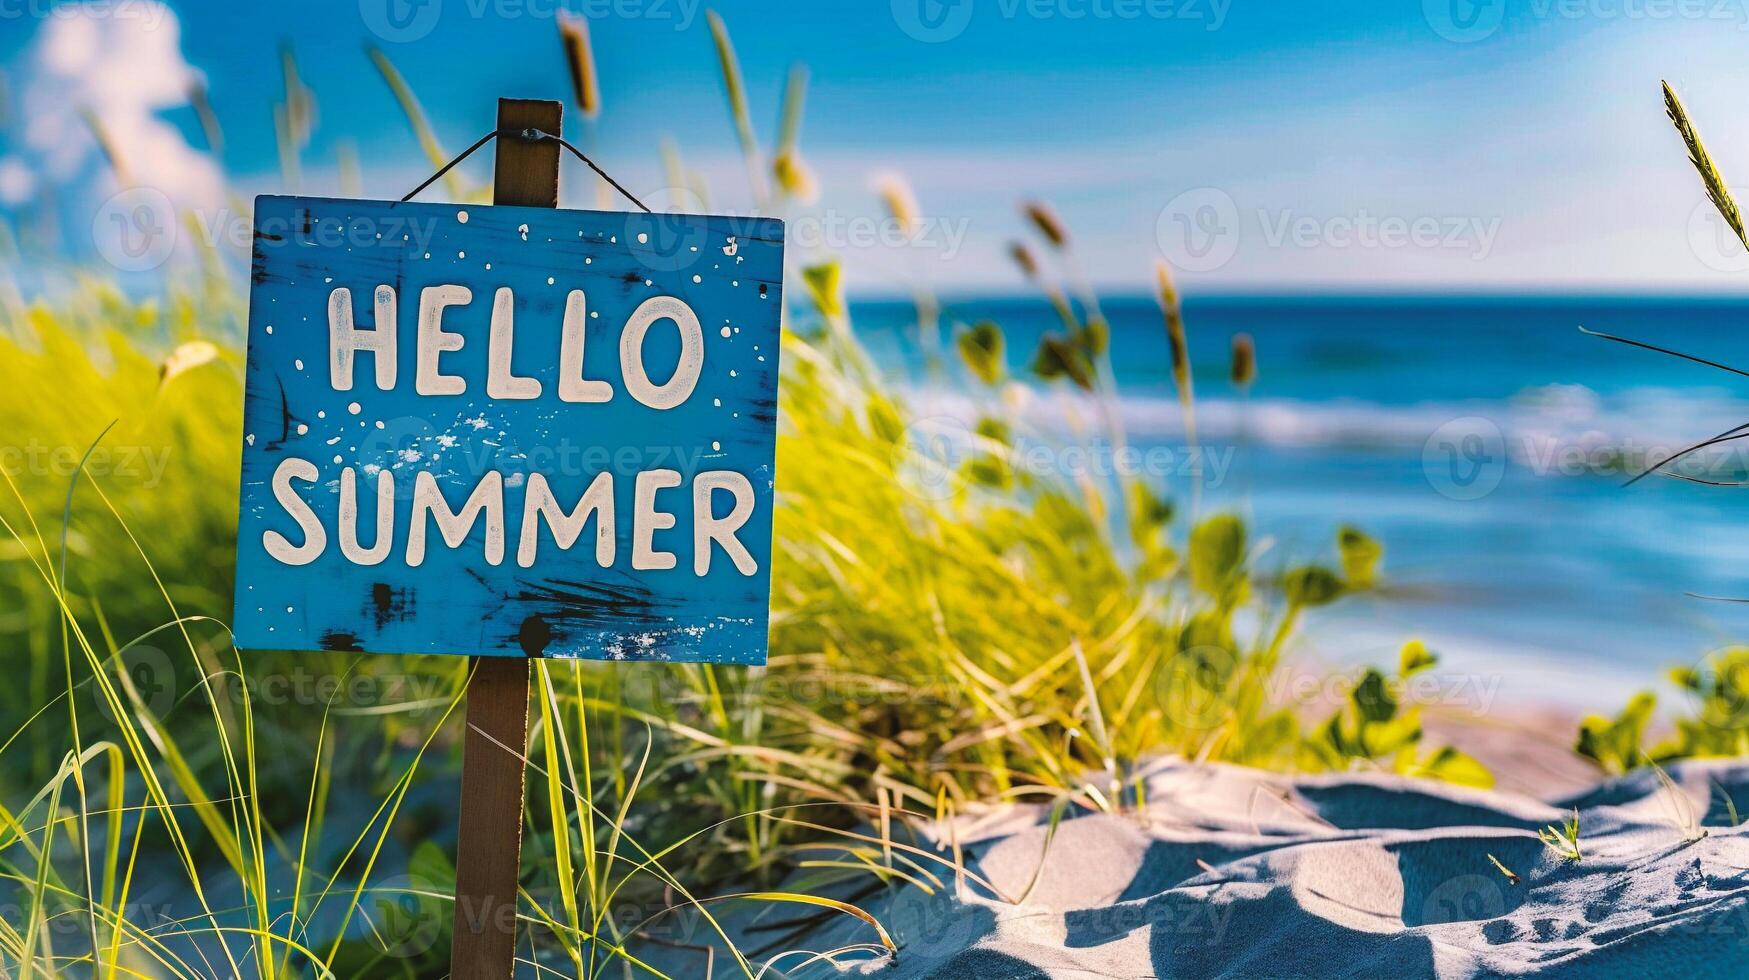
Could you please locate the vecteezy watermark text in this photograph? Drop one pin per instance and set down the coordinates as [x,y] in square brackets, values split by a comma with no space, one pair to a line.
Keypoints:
[1200,230]
[150,13]
[145,464]
[1466,458]
[406,21]
[943,445]
[1468,21]
[938,21]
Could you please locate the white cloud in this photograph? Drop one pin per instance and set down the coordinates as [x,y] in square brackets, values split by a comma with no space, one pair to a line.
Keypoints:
[122,65]
[17,183]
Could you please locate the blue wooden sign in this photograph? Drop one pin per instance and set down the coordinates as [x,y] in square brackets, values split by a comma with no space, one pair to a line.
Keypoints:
[508,431]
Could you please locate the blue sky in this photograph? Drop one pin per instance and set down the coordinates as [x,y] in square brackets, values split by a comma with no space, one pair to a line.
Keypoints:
[1506,144]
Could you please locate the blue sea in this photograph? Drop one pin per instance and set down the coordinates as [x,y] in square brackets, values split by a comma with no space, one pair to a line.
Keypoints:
[1484,441]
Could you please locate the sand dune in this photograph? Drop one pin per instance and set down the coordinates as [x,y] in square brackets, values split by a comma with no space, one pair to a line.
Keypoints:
[1233,872]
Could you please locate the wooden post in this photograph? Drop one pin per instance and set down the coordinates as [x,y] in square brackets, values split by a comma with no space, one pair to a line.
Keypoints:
[489,831]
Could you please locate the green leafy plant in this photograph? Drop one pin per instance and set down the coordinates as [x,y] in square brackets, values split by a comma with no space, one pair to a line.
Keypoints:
[981,348]
[1615,743]
[1716,726]
[1563,838]
[1361,555]
[1376,726]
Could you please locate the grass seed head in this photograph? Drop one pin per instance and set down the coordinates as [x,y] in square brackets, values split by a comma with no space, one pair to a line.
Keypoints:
[580,57]
[1048,224]
[896,194]
[1244,360]
[1716,191]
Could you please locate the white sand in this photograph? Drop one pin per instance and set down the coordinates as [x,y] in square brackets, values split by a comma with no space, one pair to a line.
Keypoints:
[1329,876]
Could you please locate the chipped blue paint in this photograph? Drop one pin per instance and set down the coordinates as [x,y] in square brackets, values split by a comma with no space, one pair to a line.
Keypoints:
[728,271]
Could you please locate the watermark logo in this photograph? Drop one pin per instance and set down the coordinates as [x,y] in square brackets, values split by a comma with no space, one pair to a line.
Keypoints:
[135,230]
[1464,459]
[1464,898]
[1464,21]
[409,915]
[934,449]
[675,236]
[1198,231]
[405,438]
[933,927]
[1192,689]
[932,21]
[1712,239]
[148,672]
[400,21]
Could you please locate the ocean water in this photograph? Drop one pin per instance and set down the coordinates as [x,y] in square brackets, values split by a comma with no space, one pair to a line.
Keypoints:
[1484,441]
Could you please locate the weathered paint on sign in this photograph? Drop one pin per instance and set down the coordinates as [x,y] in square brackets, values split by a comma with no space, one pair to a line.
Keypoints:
[508,431]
